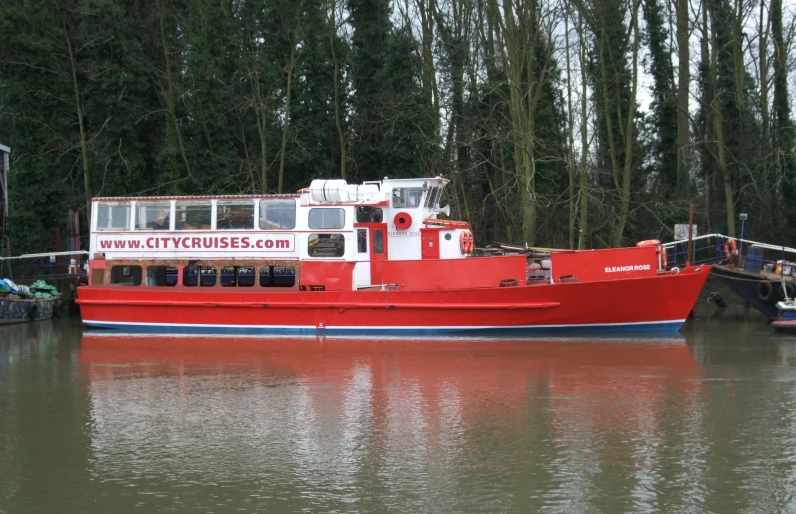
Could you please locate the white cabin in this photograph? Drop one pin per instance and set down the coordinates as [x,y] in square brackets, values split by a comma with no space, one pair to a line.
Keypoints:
[329,222]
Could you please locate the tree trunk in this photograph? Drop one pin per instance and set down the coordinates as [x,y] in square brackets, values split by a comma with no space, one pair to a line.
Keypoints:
[570,157]
[79,108]
[262,130]
[707,106]
[337,121]
[583,219]
[286,124]
[764,114]
[624,201]
[683,84]
[170,90]
[718,127]
[518,34]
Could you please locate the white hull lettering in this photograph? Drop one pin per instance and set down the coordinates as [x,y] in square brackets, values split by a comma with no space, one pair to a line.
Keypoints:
[282,242]
[635,267]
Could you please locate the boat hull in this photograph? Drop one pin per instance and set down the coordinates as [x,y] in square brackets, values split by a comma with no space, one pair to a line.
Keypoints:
[648,304]
[784,326]
[748,287]
[18,310]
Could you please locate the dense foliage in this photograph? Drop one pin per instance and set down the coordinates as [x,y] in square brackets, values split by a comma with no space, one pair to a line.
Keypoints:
[560,122]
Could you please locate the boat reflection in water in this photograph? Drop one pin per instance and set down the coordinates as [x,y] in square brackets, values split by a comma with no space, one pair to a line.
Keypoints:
[415,424]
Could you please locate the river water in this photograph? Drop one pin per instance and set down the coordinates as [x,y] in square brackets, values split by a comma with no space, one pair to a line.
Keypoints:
[97,422]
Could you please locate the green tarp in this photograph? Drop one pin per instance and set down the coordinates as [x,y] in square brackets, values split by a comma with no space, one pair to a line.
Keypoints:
[40,289]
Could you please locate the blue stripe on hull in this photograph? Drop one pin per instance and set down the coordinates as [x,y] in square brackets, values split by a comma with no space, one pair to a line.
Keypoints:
[620,328]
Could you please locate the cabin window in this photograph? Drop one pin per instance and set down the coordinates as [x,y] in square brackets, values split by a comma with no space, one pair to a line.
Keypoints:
[162,276]
[152,215]
[368,214]
[204,276]
[407,197]
[362,240]
[126,275]
[378,241]
[277,276]
[193,215]
[278,214]
[237,276]
[326,245]
[113,216]
[332,218]
[234,214]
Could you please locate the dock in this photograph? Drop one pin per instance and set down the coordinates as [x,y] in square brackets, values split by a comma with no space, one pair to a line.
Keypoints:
[63,269]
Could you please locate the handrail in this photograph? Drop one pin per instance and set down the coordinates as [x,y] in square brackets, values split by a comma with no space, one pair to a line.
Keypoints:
[39,255]
[764,246]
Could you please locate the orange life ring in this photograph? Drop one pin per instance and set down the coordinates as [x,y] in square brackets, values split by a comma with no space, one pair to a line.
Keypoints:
[402,220]
[661,249]
[446,223]
[466,242]
[730,248]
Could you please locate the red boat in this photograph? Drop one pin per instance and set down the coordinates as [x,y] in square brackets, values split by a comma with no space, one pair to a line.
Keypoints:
[375,258]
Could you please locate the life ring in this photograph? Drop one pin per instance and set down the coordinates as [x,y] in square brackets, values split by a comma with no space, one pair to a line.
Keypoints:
[657,244]
[764,290]
[730,247]
[466,242]
[446,223]
[402,220]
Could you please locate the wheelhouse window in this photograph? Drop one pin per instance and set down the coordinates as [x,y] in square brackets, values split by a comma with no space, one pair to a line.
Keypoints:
[237,276]
[327,218]
[162,276]
[277,214]
[152,215]
[113,216]
[277,276]
[193,215]
[234,214]
[407,197]
[126,275]
[326,245]
[204,276]
[362,240]
[433,197]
